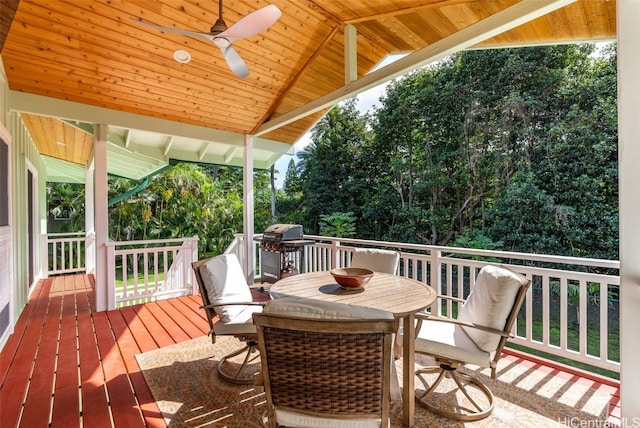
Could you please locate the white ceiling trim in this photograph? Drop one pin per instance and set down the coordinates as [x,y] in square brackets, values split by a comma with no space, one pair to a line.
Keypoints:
[68,110]
[59,171]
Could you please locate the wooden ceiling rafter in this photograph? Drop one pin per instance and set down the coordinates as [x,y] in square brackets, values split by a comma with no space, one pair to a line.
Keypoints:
[95,55]
[336,20]
[403,11]
[294,80]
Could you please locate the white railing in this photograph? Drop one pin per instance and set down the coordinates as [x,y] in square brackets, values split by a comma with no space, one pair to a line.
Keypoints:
[144,271]
[65,253]
[571,309]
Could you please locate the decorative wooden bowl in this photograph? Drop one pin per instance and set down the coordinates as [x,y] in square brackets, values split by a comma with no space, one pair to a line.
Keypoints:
[352,277]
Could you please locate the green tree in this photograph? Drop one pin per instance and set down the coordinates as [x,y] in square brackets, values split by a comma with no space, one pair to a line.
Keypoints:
[189,200]
[66,200]
[330,169]
[292,181]
[340,225]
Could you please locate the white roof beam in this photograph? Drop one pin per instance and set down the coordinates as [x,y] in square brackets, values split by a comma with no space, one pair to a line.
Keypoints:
[167,146]
[69,110]
[230,154]
[350,53]
[205,148]
[518,14]
[127,139]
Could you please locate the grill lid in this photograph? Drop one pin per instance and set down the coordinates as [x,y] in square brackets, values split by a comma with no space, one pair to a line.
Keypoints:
[282,232]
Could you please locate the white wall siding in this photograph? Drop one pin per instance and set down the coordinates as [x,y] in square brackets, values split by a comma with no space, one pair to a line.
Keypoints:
[15,247]
[6,259]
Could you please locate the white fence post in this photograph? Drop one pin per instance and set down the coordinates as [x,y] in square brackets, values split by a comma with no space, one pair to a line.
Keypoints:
[111,276]
[436,278]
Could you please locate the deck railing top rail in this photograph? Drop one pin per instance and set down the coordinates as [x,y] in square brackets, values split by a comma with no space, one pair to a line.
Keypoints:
[581,261]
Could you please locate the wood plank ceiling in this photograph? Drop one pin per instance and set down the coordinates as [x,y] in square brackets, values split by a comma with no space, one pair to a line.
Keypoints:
[94,53]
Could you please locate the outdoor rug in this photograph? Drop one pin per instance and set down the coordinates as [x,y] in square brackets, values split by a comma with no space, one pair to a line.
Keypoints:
[184,381]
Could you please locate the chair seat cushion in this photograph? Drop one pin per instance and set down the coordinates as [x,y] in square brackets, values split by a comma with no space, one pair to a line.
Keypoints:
[451,341]
[224,280]
[242,323]
[309,308]
[299,420]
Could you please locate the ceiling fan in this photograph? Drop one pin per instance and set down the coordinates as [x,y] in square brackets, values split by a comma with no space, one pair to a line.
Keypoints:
[223,36]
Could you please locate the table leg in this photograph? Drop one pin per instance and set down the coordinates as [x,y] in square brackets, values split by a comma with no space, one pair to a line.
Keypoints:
[408,379]
[397,343]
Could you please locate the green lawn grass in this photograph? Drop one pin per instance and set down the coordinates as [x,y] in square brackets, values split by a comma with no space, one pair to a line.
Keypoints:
[130,281]
[573,342]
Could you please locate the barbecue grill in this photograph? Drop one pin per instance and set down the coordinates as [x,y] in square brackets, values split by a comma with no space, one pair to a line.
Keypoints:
[281,247]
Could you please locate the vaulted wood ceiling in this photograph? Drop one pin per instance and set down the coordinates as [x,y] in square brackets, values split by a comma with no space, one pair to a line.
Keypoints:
[94,53]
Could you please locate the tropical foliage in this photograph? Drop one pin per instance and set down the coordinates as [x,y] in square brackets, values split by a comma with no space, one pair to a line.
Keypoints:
[186,200]
[508,149]
[512,149]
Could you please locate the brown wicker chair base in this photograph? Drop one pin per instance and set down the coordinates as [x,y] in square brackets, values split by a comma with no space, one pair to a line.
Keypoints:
[475,400]
[244,372]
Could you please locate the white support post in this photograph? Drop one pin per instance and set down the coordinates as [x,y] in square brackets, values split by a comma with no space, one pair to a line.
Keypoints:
[350,53]
[247,199]
[89,217]
[194,257]
[336,261]
[629,177]
[101,215]
[435,279]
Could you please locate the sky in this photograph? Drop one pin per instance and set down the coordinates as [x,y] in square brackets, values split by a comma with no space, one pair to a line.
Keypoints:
[367,100]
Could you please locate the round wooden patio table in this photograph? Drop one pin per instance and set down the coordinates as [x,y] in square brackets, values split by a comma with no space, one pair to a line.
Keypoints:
[399,295]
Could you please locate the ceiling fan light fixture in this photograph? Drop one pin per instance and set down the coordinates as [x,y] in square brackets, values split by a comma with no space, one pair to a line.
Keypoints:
[182,56]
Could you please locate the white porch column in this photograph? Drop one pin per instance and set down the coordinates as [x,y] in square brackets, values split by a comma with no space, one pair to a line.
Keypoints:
[89,216]
[247,199]
[628,17]
[101,214]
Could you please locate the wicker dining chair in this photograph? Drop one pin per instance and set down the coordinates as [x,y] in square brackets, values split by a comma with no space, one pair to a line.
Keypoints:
[325,364]
[229,304]
[476,336]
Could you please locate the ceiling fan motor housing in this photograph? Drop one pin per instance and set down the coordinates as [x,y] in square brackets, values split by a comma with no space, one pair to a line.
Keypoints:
[219,27]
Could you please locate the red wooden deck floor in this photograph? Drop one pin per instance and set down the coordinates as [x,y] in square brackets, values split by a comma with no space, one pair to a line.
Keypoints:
[69,366]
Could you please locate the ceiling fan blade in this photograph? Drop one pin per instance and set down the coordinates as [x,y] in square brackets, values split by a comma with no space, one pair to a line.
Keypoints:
[174,30]
[235,62]
[252,24]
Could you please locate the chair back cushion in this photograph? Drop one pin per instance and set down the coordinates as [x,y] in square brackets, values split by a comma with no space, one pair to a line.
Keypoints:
[317,309]
[224,281]
[490,304]
[377,260]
